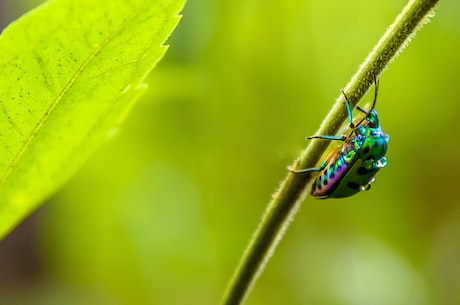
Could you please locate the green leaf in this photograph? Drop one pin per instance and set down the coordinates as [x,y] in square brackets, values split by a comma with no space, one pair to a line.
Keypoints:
[70,71]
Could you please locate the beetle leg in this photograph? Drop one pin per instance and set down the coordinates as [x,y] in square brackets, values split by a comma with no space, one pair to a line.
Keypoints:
[303,171]
[308,170]
[368,185]
[330,138]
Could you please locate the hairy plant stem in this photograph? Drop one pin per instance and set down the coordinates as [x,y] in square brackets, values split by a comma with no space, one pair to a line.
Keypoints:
[286,201]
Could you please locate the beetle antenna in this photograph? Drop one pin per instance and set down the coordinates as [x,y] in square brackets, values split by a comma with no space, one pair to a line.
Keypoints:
[362,110]
[376,82]
[349,110]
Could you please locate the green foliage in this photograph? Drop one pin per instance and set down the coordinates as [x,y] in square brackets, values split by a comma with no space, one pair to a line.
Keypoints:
[70,72]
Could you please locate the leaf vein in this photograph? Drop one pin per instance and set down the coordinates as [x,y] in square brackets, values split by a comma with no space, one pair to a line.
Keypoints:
[61,95]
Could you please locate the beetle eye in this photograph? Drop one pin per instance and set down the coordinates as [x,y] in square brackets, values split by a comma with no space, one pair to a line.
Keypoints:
[372,119]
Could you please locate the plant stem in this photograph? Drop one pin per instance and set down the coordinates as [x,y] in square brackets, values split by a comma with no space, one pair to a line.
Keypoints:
[286,201]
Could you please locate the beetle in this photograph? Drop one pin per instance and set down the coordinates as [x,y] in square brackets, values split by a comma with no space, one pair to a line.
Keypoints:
[352,166]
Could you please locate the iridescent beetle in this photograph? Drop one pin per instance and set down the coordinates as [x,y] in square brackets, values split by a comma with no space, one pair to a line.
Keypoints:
[351,167]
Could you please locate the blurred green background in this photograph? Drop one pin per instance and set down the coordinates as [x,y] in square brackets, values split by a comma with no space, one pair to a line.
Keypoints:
[162,214]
